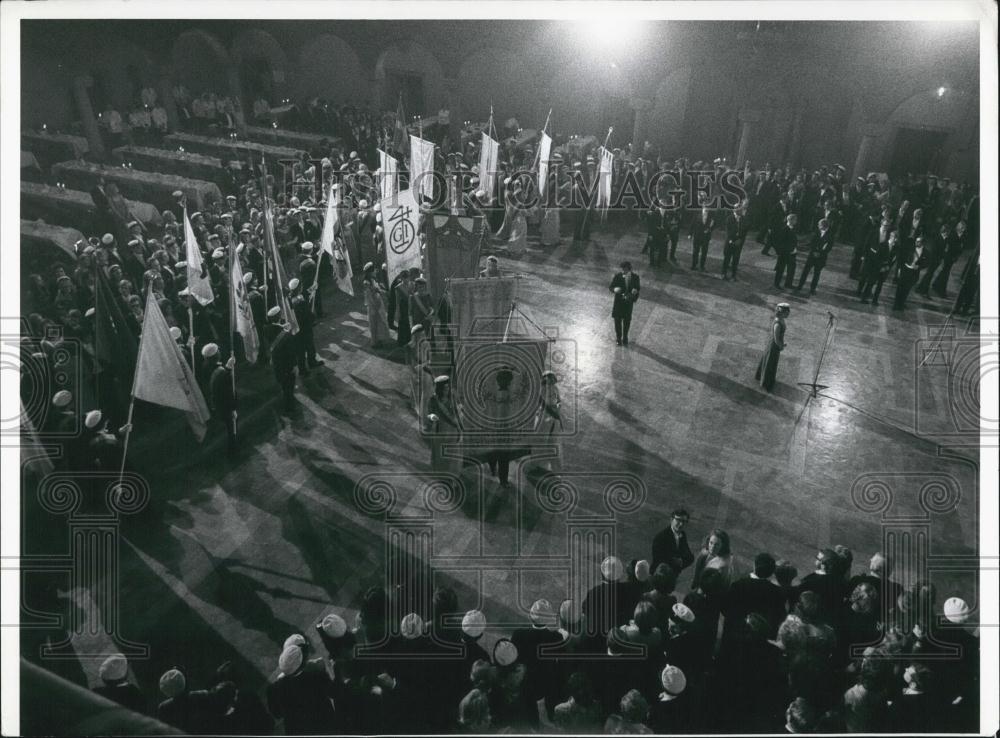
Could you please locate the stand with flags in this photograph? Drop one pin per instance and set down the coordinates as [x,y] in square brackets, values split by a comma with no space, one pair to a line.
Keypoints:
[339,256]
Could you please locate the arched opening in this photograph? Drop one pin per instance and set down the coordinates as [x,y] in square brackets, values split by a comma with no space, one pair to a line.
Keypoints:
[323,53]
[409,69]
[261,66]
[201,63]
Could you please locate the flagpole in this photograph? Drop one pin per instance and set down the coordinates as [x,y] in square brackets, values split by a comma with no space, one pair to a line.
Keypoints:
[232,320]
[538,151]
[315,285]
[131,404]
[191,334]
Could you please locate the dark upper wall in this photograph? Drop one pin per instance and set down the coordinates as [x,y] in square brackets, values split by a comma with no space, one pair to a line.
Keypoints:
[816,88]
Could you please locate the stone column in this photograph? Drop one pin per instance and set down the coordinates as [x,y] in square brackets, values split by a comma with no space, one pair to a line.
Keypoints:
[81,84]
[747,120]
[862,162]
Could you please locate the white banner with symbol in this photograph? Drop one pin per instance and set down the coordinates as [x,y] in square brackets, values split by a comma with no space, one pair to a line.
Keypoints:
[400,221]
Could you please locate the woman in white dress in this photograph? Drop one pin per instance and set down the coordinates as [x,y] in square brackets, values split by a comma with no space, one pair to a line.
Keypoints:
[515,222]
[548,421]
[378,324]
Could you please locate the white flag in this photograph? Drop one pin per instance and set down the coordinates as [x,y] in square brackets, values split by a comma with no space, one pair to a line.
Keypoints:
[242,314]
[162,376]
[390,174]
[489,154]
[199,286]
[400,221]
[604,178]
[544,151]
[422,167]
[328,244]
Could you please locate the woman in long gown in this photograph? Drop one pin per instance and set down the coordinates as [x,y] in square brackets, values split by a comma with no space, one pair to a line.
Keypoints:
[548,422]
[768,366]
[550,218]
[378,324]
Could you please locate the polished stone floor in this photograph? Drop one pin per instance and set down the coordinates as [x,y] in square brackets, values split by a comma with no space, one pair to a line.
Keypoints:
[228,559]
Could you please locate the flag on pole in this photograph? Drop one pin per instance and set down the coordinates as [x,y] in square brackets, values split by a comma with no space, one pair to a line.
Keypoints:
[280,278]
[422,167]
[604,178]
[390,174]
[243,317]
[115,344]
[339,256]
[198,282]
[399,131]
[400,220]
[544,151]
[489,154]
[161,374]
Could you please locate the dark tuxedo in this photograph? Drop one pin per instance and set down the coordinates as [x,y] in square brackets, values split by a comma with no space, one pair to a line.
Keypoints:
[819,249]
[875,268]
[785,243]
[749,595]
[737,227]
[671,550]
[656,234]
[701,234]
[910,265]
[621,311]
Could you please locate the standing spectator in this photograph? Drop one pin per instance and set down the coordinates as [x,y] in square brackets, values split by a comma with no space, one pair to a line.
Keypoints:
[115,685]
[670,546]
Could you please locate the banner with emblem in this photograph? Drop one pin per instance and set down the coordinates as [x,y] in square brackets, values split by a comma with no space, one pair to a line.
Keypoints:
[242,317]
[339,256]
[198,283]
[544,152]
[400,224]
[453,246]
[389,178]
[422,167]
[489,155]
[604,178]
[477,304]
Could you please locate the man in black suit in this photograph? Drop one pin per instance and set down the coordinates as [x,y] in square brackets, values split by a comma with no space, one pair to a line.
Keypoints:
[819,249]
[755,593]
[656,234]
[603,605]
[672,228]
[625,286]
[776,221]
[737,227]
[825,582]
[670,546]
[701,234]
[909,272]
[785,243]
[533,646]
[877,263]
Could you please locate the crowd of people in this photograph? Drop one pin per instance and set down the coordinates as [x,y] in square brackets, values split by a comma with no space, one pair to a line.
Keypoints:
[836,649]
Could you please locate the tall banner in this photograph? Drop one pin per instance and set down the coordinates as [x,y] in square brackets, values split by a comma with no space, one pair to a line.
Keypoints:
[422,167]
[162,376]
[544,152]
[400,223]
[604,178]
[198,282]
[280,277]
[489,155]
[242,317]
[389,182]
[339,256]
[453,244]
[478,306]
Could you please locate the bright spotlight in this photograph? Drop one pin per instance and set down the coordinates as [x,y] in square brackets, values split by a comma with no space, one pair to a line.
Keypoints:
[611,32]
[941,91]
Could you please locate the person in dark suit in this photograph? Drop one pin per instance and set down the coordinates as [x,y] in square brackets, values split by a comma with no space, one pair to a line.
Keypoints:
[968,290]
[656,234]
[222,393]
[785,243]
[737,227]
[877,264]
[701,235]
[940,255]
[625,286]
[533,643]
[909,272]
[825,583]
[775,221]
[603,605]
[819,249]
[670,546]
[672,227]
[755,593]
